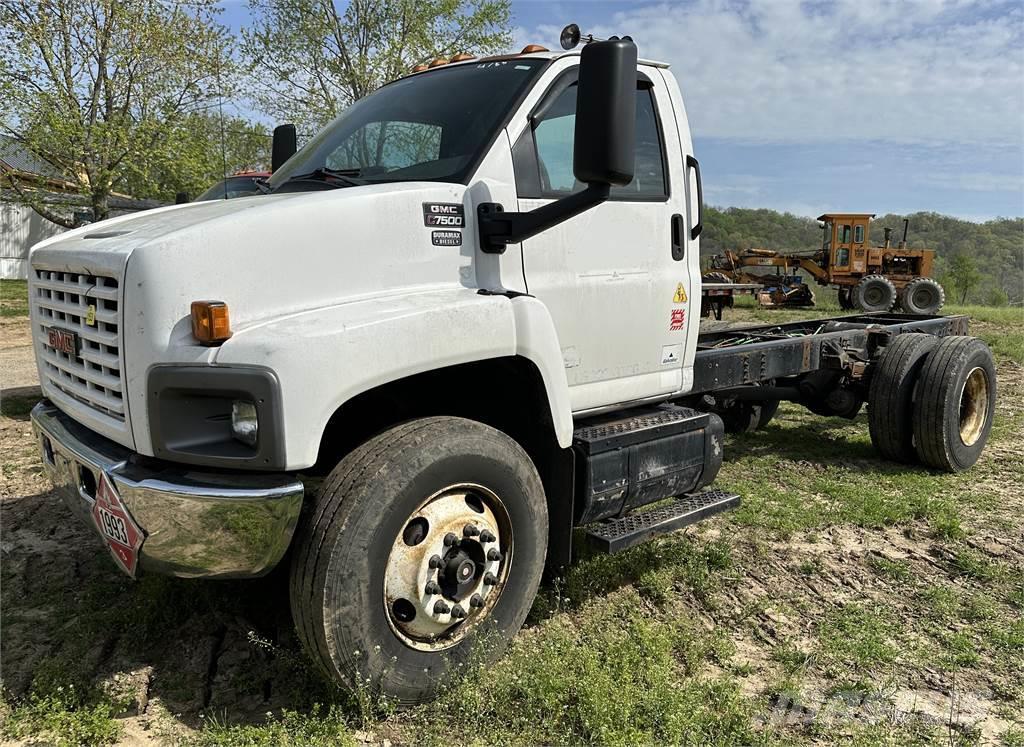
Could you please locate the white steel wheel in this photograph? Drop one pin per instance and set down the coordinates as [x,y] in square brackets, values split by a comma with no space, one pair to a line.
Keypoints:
[447,567]
[974,406]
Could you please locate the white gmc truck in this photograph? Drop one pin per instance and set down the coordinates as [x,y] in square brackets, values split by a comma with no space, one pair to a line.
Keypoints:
[460,323]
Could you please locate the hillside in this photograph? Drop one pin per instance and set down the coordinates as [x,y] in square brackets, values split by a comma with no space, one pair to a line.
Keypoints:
[996,246]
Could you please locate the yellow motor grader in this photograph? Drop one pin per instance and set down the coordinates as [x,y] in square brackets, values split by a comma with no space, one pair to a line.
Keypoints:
[869,278]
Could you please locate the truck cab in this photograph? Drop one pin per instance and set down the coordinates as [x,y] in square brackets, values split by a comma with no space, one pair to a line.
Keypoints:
[845,239]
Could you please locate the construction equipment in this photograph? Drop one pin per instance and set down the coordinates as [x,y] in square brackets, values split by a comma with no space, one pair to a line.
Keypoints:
[869,278]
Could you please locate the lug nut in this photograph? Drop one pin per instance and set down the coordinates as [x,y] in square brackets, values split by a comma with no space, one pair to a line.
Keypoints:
[486,536]
[490,579]
[470,531]
[435,561]
[476,601]
[433,588]
[493,554]
[440,607]
[450,539]
[458,613]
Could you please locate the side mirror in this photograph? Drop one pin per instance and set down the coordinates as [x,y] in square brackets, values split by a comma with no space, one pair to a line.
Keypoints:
[604,153]
[283,146]
[604,150]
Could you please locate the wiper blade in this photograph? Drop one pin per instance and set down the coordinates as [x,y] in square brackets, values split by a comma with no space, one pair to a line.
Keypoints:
[324,174]
[262,186]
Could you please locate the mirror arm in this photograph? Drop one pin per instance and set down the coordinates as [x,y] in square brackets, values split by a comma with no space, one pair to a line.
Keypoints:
[499,228]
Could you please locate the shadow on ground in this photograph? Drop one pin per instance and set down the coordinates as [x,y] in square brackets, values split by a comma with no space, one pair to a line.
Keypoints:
[70,617]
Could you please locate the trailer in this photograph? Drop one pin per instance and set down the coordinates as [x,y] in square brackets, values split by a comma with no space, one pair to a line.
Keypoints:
[717,296]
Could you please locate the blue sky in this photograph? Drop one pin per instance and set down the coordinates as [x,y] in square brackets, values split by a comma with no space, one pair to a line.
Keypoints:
[811,107]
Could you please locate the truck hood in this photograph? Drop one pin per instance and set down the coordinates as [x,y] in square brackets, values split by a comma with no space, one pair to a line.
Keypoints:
[331,243]
[266,256]
[108,243]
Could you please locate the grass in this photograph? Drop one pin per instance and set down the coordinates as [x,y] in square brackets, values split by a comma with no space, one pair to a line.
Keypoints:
[13,298]
[618,680]
[841,582]
[64,718]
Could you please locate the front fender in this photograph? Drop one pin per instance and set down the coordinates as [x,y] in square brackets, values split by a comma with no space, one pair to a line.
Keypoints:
[324,357]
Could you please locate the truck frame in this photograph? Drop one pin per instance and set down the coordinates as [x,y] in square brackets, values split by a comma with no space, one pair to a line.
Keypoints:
[433,350]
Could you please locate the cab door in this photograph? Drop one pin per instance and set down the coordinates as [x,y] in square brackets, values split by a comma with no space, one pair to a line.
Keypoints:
[613,278]
[843,246]
[860,232]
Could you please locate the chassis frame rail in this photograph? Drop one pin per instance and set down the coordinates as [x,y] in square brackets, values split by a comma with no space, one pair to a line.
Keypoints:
[731,358]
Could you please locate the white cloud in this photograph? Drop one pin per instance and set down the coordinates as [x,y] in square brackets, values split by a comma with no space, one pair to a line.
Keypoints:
[928,72]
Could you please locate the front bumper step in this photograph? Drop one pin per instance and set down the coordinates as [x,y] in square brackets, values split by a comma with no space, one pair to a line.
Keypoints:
[615,535]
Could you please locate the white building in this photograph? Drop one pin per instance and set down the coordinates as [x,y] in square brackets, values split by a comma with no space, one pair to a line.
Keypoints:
[20,226]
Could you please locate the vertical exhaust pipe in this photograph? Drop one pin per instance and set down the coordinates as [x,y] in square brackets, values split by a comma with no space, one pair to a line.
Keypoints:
[888,238]
[906,225]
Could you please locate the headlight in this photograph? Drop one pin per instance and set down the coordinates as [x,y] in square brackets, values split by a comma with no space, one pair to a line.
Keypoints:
[216,416]
[245,425]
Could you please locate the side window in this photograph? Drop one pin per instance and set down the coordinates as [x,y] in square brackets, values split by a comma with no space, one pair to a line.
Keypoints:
[553,137]
[842,256]
[858,234]
[543,154]
[826,243]
[379,147]
[844,235]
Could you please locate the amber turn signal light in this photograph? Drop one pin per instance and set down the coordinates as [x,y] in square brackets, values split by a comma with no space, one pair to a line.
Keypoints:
[210,322]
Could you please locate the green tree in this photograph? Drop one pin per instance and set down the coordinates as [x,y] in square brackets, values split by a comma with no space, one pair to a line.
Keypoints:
[308,59]
[200,151]
[963,276]
[99,88]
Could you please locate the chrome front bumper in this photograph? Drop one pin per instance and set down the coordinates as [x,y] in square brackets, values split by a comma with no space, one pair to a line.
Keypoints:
[197,523]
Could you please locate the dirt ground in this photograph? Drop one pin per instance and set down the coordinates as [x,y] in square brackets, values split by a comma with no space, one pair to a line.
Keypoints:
[17,366]
[180,653]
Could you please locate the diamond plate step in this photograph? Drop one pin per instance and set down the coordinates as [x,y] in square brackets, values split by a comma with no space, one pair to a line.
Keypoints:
[615,535]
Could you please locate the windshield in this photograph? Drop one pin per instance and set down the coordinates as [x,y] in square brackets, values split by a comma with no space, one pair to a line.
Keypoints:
[428,127]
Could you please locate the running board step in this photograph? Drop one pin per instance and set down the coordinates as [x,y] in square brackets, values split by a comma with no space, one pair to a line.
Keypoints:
[615,535]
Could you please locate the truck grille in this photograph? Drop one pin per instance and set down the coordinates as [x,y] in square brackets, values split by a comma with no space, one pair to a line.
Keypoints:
[93,375]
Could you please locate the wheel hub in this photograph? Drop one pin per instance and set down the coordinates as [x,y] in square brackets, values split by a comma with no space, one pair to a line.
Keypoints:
[461,572]
[447,567]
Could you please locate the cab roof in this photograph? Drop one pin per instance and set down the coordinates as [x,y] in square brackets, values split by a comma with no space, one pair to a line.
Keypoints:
[547,54]
[827,216]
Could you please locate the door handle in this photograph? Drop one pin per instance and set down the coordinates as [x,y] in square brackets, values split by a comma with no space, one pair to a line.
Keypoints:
[678,247]
[692,163]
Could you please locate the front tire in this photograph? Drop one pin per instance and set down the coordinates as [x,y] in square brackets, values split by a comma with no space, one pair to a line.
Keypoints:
[421,541]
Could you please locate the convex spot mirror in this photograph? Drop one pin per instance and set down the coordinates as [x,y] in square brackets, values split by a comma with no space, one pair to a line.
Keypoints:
[604,150]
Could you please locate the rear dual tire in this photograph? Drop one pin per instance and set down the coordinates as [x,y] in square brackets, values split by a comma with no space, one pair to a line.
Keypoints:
[932,400]
[844,299]
[955,404]
[891,395]
[922,296]
[873,293]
